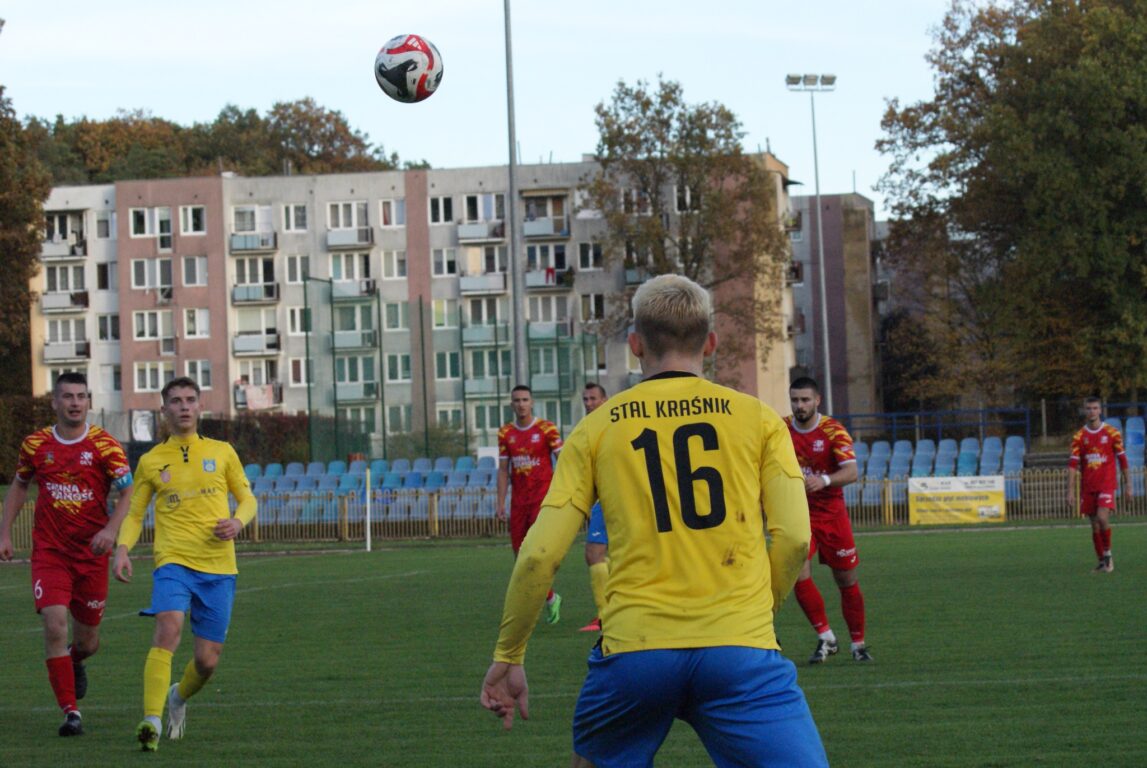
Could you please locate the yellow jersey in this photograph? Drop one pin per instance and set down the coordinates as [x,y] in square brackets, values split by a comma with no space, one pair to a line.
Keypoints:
[189,480]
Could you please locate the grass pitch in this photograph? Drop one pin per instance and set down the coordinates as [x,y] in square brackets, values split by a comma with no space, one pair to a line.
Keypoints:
[993,647]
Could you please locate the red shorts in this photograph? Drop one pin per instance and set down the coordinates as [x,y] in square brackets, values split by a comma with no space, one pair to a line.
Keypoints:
[1091,501]
[832,538]
[82,585]
[521,518]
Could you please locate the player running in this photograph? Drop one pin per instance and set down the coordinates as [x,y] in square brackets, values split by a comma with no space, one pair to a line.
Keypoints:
[1095,449]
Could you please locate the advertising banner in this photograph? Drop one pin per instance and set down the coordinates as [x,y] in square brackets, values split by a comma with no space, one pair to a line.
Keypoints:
[947,500]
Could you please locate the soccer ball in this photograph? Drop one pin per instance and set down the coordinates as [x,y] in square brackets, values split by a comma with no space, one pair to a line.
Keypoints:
[408,68]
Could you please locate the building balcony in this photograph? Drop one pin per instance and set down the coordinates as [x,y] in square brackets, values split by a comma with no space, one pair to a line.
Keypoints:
[363,391]
[254,242]
[356,237]
[486,335]
[546,227]
[258,293]
[490,282]
[551,383]
[62,301]
[61,351]
[353,289]
[63,250]
[258,396]
[636,275]
[255,343]
[549,279]
[561,330]
[490,385]
[481,232]
[356,339]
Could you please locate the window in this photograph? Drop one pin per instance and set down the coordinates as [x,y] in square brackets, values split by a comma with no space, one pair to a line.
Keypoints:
[300,372]
[593,306]
[444,262]
[163,217]
[547,309]
[595,359]
[494,257]
[195,270]
[200,370]
[543,360]
[441,210]
[150,273]
[489,363]
[590,256]
[142,222]
[637,255]
[243,218]
[394,265]
[107,277]
[64,279]
[298,321]
[67,331]
[447,365]
[398,367]
[253,270]
[298,268]
[450,415]
[364,416]
[354,369]
[107,327]
[687,201]
[196,324]
[396,316]
[354,317]
[547,207]
[192,220]
[294,217]
[152,324]
[393,212]
[150,377]
[105,225]
[636,201]
[490,206]
[348,215]
[546,256]
[111,378]
[484,311]
[399,418]
[491,417]
[445,313]
[350,266]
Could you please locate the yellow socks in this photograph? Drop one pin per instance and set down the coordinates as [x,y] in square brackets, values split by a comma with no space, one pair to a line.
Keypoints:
[191,681]
[156,681]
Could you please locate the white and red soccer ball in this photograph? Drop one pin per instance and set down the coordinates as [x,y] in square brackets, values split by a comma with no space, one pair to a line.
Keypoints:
[408,68]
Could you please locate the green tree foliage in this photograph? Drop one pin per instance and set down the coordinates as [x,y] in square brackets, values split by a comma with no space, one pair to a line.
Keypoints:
[678,195]
[24,185]
[1020,190]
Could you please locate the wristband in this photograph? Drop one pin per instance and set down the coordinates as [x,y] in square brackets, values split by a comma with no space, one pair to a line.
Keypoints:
[827,480]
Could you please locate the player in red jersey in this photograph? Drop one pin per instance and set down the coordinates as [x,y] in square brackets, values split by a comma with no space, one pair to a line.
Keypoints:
[1094,450]
[76,465]
[525,468]
[824,451]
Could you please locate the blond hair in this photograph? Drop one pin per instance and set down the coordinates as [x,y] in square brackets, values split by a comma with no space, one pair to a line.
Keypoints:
[671,313]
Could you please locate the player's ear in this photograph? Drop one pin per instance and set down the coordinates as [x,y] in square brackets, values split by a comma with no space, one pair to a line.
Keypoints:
[636,346]
[710,344]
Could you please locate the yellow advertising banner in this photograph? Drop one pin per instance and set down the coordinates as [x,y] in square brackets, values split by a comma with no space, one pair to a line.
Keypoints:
[947,500]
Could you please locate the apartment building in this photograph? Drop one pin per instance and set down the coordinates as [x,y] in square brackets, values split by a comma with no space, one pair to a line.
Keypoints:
[380,299]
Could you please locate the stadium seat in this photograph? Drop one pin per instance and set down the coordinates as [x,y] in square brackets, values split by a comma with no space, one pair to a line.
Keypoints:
[992,443]
[379,467]
[480,478]
[328,483]
[872,494]
[989,463]
[852,494]
[443,464]
[434,480]
[926,445]
[284,484]
[899,466]
[295,469]
[945,465]
[1014,443]
[253,472]
[400,465]
[1135,424]
[350,482]
[457,479]
[967,464]
[970,445]
[464,463]
[357,467]
[273,469]
[1013,464]
[487,462]
[306,484]
[948,445]
[860,448]
[902,448]
[422,464]
[391,481]
[922,464]
[316,469]
[881,448]
[336,467]
[263,485]
[877,468]
[1115,422]
[413,479]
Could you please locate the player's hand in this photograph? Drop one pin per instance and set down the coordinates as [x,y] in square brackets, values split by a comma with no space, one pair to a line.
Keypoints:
[505,689]
[5,547]
[813,483]
[122,565]
[500,511]
[102,542]
[227,528]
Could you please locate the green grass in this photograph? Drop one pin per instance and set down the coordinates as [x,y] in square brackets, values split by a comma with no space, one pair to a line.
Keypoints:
[993,648]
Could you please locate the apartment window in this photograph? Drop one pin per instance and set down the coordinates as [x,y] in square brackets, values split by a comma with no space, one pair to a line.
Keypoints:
[66,331]
[347,215]
[489,363]
[300,371]
[258,372]
[196,324]
[636,201]
[200,370]
[354,369]
[494,258]
[163,223]
[195,270]
[142,222]
[298,321]
[254,271]
[350,266]
[243,218]
[491,417]
[393,212]
[150,377]
[396,315]
[444,262]
[294,217]
[593,306]
[399,418]
[111,378]
[484,311]
[447,365]
[490,206]
[441,210]
[151,273]
[687,200]
[595,359]
[546,256]
[298,268]
[364,416]
[152,324]
[107,277]
[546,207]
[548,309]
[449,415]
[398,367]
[105,225]
[394,265]
[590,256]
[64,279]
[543,360]
[445,313]
[192,220]
[107,327]
[354,318]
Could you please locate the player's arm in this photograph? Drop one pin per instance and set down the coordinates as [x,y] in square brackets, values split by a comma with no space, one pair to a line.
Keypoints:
[228,527]
[13,503]
[503,486]
[846,473]
[1125,469]
[104,540]
[132,526]
[786,513]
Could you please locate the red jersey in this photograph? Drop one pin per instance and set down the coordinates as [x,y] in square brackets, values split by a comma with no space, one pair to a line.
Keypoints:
[821,451]
[1094,453]
[528,451]
[75,477]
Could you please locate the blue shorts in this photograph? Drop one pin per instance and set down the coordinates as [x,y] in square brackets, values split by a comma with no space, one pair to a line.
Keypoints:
[743,703]
[208,596]
[595,532]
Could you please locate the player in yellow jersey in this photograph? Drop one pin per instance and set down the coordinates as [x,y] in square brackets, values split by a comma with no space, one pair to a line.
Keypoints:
[189,476]
[691,475]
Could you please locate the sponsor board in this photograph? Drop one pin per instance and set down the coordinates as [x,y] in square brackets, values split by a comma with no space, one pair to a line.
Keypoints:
[948,500]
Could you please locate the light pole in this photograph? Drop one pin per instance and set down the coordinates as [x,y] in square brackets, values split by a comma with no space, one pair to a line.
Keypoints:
[517,277]
[812,84]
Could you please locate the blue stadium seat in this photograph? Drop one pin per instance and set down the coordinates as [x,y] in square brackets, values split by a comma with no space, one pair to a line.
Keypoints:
[443,464]
[877,468]
[881,448]
[480,478]
[992,443]
[295,469]
[1012,488]
[306,484]
[422,464]
[922,464]
[926,445]
[989,463]
[902,448]
[253,472]
[487,462]
[379,467]
[899,489]
[860,448]
[872,493]
[464,463]
[1015,443]
[357,467]
[350,482]
[336,467]
[273,469]
[1013,464]
[945,465]
[1135,424]
[970,445]
[391,481]
[328,483]
[899,466]
[1115,422]
[434,480]
[413,479]
[284,484]
[263,485]
[967,464]
[316,469]
[852,494]
[457,479]
[947,445]
[400,465]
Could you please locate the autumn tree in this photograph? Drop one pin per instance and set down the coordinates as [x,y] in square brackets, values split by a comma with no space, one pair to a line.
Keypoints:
[1019,188]
[317,140]
[678,194]
[24,185]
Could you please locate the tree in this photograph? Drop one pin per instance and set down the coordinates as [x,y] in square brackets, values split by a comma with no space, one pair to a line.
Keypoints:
[677,194]
[316,140]
[1019,192]
[24,185]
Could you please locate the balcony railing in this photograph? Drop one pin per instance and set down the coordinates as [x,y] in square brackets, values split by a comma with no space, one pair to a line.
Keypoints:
[481,231]
[257,293]
[356,339]
[66,350]
[488,335]
[562,329]
[255,344]
[250,242]
[365,390]
[550,279]
[52,250]
[490,385]
[350,238]
[551,382]
[258,396]
[490,282]
[546,226]
[62,301]
[353,289]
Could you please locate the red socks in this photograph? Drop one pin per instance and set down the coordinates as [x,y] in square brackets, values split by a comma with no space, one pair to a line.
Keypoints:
[852,606]
[812,603]
[63,681]
[1107,540]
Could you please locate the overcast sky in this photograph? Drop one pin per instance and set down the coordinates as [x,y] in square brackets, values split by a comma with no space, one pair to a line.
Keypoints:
[185,62]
